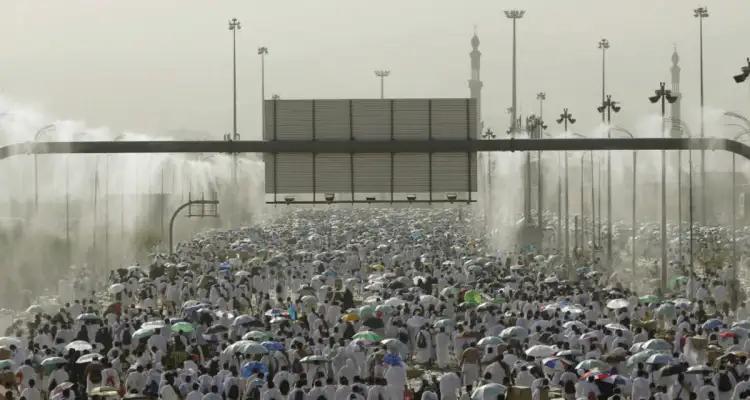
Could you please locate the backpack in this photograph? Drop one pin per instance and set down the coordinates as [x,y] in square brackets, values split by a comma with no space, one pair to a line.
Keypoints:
[725,384]
[234,392]
[421,340]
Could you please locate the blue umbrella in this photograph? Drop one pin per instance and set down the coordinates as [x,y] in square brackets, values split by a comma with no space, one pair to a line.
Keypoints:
[712,323]
[273,346]
[392,359]
[253,368]
[225,265]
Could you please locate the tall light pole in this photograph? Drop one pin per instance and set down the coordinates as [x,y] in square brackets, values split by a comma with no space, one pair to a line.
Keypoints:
[541,96]
[566,118]
[701,13]
[603,45]
[382,74]
[234,26]
[633,205]
[663,95]
[741,77]
[36,166]
[262,52]
[609,105]
[489,135]
[514,15]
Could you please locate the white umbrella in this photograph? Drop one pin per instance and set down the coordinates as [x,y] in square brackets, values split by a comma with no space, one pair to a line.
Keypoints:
[394,302]
[35,309]
[514,332]
[427,300]
[87,358]
[617,304]
[156,324]
[490,341]
[616,327]
[143,333]
[116,288]
[8,341]
[79,345]
[53,361]
[657,344]
[489,391]
[540,351]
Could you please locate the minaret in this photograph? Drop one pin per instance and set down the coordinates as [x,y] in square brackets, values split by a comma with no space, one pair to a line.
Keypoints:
[475,84]
[676,130]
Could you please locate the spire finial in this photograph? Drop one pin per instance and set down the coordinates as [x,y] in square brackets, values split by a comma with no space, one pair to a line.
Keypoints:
[675,56]
[475,39]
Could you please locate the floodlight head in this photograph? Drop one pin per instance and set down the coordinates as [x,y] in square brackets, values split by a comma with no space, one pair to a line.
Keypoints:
[740,78]
[451,197]
[560,120]
[514,14]
[654,99]
[330,197]
[671,98]
[615,107]
[541,96]
[381,73]
[234,23]
[701,12]
[600,109]
[411,197]
[262,50]
[572,120]
[288,199]
[604,44]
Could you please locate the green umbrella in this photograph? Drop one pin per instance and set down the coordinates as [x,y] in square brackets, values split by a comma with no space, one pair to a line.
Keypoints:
[472,296]
[648,299]
[183,327]
[368,335]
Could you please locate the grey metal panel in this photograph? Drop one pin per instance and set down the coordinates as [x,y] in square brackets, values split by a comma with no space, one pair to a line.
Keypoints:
[449,118]
[411,173]
[294,173]
[294,120]
[371,120]
[411,119]
[332,173]
[331,119]
[372,173]
[450,172]
[269,120]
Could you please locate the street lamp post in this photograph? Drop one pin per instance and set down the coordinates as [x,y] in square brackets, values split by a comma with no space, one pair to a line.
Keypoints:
[603,45]
[36,167]
[382,74]
[541,96]
[489,135]
[633,205]
[609,105]
[514,15]
[234,26]
[564,119]
[701,13]
[263,51]
[663,95]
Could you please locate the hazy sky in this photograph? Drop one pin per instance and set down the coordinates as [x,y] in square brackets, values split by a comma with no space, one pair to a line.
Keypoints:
[162,65]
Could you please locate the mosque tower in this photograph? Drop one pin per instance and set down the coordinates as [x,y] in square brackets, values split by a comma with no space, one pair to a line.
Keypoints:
[475,84]
[676,130]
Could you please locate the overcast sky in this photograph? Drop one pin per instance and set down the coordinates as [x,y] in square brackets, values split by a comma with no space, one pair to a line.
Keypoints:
[163,65]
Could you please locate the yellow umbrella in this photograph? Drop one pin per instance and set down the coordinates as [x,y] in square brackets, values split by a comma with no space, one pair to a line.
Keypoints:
[351,317]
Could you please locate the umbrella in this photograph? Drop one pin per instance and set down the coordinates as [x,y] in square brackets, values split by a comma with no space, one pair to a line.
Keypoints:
[50,361]
[247,347]
[395,302]
[87,358]
[444,323]
[675,369]
[648,299]
[392,359]
[416,321]
[658,345]
[79,345]
[742,324]
[699,369]
[247,320]
[104,391]
[472,296]
[374,323]
[314,359]
[571,324]
[541,350]
[215,329]
[592,364]
[242,273]
[275,312]
[8,341]
[143,333]
[155,324]
[569,353]
[251,368]
[35,309]
[309,300]
[616,327]
[116,288]
[514,332]
[279,320]
[555,363]
[350,317]
[427,300]
[183,327]
[368,336]
[712,323]
[486,306]
[617,304]
[256,335]
[273,346]
[640,357]
[666,311]
[659,359]
[88,317]
[490,391]
[449,291]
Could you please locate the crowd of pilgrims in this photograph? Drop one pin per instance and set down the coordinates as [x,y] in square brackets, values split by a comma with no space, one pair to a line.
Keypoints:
[376,305]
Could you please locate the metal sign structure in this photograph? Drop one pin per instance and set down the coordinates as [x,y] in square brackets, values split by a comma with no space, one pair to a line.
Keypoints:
[359,177]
